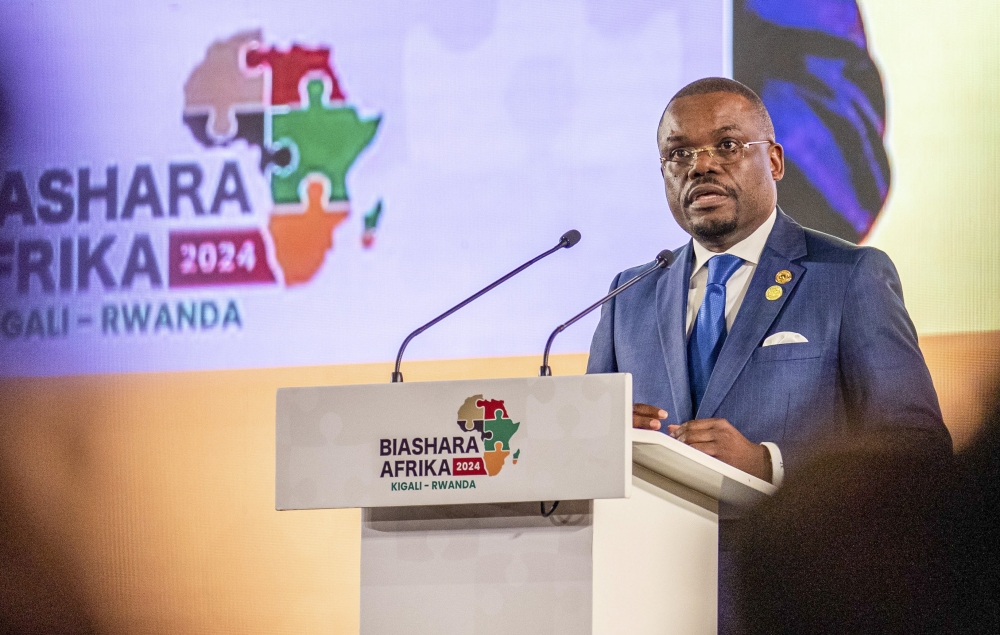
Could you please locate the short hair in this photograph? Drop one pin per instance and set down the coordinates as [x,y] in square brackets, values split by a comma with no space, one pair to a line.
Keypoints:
[725,85]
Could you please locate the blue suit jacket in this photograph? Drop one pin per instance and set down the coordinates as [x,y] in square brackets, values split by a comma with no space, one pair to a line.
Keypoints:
[860,368]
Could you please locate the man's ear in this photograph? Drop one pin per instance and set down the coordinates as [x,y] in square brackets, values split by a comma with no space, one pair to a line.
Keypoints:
[776,154]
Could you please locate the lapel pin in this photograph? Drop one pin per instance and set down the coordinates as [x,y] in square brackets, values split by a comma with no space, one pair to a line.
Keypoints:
[773,292]
[782,277]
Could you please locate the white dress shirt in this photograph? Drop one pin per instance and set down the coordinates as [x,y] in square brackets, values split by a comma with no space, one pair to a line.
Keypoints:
[749,249]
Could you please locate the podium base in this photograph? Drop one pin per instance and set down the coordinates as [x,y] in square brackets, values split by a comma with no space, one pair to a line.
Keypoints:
[646,564]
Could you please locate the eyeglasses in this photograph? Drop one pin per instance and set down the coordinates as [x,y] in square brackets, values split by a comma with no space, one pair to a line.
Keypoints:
[727,152]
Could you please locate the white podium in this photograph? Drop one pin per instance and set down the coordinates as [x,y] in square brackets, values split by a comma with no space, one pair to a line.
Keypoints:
[450,475]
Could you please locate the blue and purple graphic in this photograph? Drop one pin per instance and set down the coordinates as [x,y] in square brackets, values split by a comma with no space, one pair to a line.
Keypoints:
[810,64]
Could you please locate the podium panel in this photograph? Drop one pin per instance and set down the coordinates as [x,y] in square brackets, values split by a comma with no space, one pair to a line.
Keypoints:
[656,558]
[454,442]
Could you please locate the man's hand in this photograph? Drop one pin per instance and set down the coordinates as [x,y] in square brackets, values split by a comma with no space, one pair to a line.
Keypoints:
[647,417]
[718,438]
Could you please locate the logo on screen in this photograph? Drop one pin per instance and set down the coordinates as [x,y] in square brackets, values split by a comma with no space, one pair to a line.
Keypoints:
[482,449]
[192,225]
[288,105]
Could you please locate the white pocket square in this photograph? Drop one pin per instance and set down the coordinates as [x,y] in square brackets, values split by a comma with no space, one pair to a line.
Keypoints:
[784,337]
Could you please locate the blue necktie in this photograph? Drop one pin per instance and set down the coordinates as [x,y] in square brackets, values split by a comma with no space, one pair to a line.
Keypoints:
[709,331]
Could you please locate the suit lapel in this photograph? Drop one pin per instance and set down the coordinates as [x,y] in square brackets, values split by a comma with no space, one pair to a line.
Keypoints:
[757,313]
[671,307]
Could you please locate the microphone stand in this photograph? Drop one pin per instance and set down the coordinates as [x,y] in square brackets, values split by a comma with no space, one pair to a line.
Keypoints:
[663,259]
[566,241]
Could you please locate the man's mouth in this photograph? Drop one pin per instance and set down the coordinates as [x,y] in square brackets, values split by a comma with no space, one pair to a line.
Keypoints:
[707,195]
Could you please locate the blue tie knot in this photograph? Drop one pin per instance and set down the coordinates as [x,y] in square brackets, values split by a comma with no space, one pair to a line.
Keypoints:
[722,267]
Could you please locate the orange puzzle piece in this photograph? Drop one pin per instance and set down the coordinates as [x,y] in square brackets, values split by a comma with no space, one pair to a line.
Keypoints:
[302,240]
[494,458]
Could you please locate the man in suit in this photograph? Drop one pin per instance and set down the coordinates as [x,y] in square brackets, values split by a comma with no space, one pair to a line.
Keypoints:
[814,337]
[762,337]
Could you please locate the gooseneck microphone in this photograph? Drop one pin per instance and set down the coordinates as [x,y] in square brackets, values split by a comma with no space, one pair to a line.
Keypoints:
[566,241]
[663,259]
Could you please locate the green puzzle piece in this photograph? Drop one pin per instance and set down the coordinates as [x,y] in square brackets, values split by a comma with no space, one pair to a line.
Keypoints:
[328,141]
[501,429]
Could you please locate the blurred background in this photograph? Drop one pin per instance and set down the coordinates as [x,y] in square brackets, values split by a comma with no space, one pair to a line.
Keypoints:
[165,265]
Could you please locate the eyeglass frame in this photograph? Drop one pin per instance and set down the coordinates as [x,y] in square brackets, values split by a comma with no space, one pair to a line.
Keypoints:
[711,152]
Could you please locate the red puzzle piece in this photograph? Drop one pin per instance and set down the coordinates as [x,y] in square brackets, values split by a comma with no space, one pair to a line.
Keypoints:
[289,67]
[491,406]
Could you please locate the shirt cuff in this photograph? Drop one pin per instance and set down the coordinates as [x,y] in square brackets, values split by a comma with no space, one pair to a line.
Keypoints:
[777,465]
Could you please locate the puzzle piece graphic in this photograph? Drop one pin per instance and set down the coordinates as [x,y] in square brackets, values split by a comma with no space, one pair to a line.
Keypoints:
[500,431]
[328,141]
[249,128]
[471,425]
[470,416]
[218,88]
[371,218]
[288,68]
[491,406]
[371,224]
[302,240]
[494,459]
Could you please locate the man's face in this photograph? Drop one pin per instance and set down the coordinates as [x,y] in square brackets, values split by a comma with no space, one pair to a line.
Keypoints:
[719,205]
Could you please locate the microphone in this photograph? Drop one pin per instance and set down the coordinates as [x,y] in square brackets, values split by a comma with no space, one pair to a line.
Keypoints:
[663,259]
[566,241]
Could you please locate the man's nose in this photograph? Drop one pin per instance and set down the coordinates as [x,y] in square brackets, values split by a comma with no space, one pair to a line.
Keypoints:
[704,163]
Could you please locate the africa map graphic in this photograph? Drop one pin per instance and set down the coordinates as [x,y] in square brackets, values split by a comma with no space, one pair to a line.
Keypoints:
[288,104]
[488,418]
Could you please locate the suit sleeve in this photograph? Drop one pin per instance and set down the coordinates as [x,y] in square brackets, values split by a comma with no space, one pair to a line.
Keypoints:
[602,346]
[885,379]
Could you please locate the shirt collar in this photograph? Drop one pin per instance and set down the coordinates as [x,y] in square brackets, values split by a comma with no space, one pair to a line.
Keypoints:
[749,249]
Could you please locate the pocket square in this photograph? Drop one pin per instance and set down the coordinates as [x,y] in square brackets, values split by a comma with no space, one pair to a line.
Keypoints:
[784,337]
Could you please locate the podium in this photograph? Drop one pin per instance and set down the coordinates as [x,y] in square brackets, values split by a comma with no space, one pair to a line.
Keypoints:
[455,537]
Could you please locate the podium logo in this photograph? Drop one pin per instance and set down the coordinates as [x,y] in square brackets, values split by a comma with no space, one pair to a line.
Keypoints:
[484,423]
[487,419]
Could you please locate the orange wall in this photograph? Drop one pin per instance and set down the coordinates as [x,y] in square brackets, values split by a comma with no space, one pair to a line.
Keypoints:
[154,493]
[965,368]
